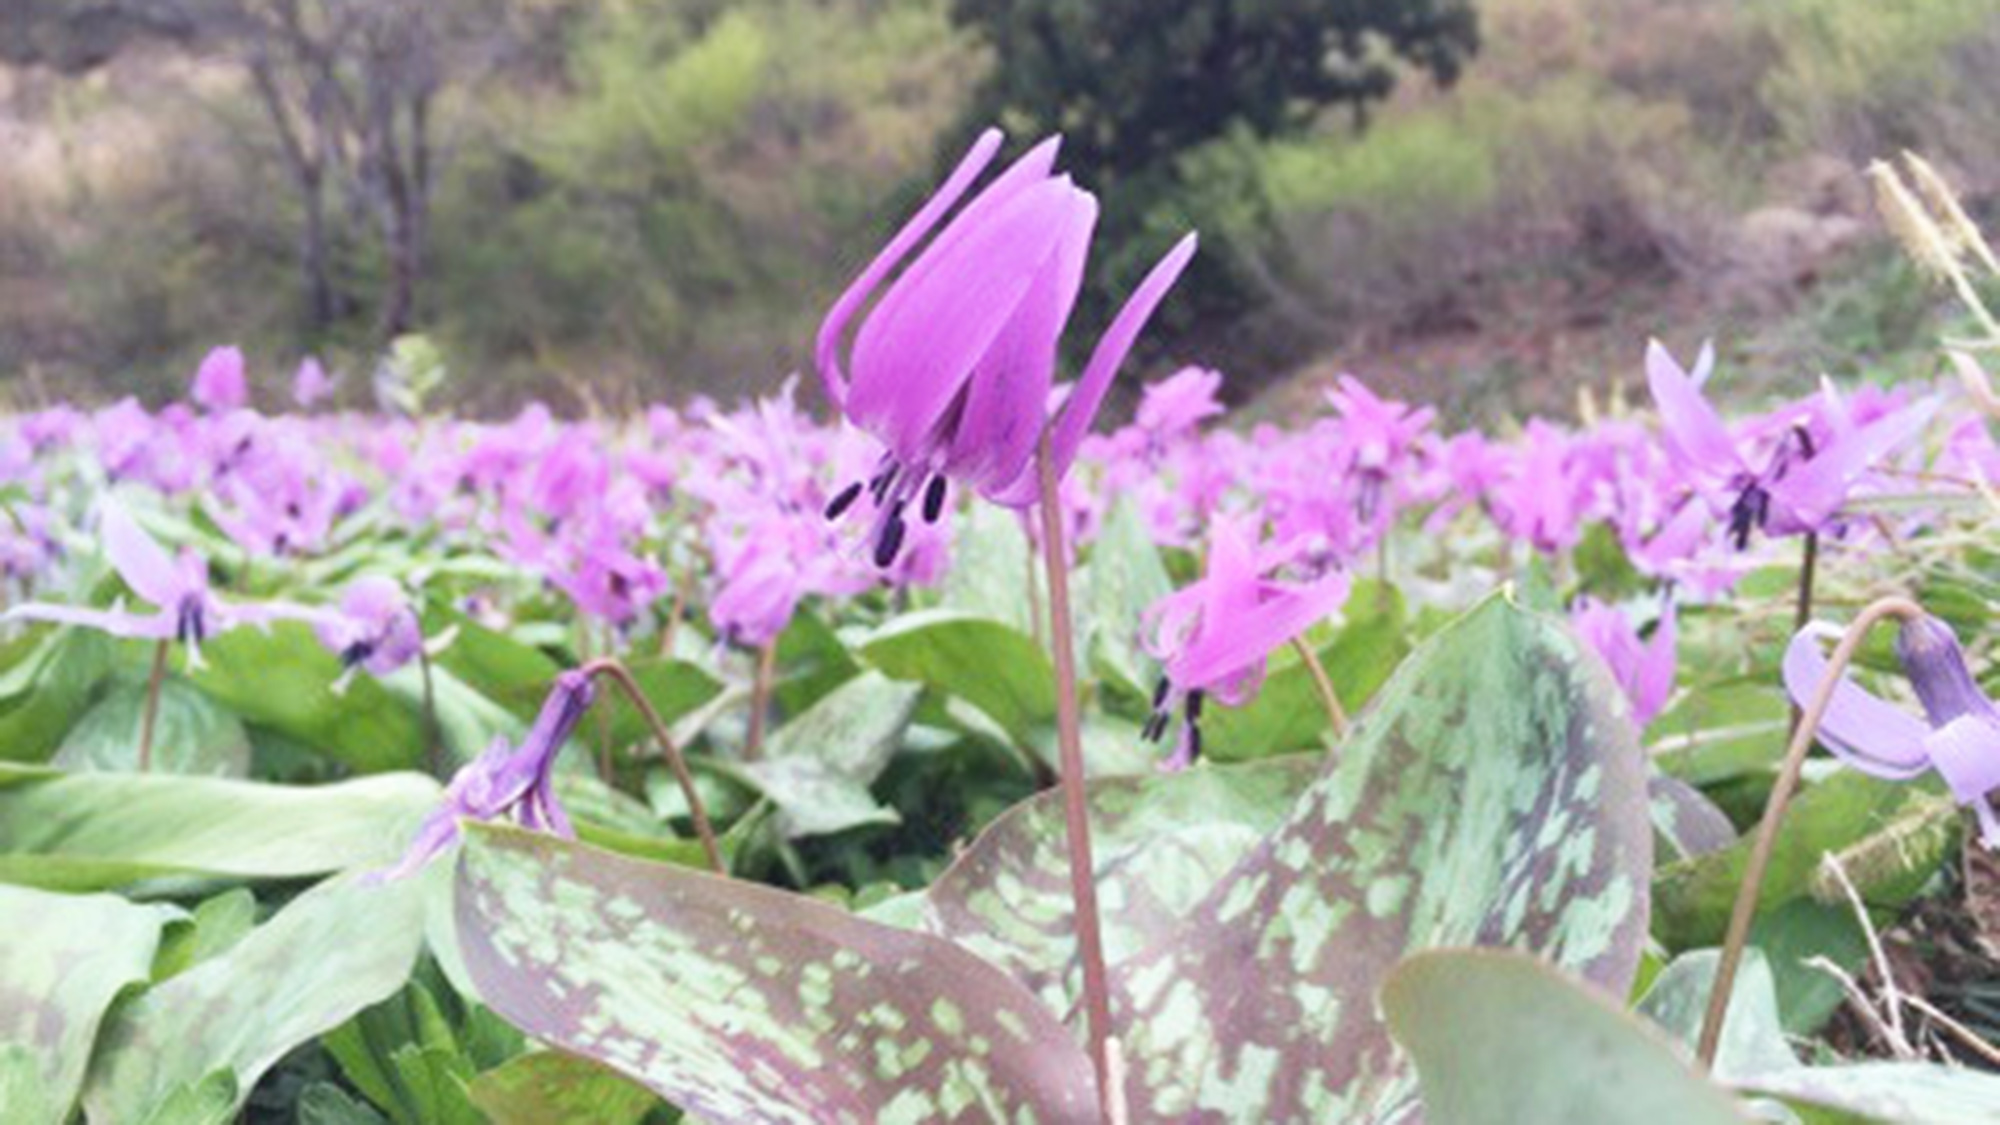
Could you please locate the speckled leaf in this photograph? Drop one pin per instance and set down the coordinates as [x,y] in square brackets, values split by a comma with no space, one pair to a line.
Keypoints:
[748,1005]
[62,961]
[1160,842]
[95,830]
[818,767]
[1501,1038]
[331,952]
[553,1088]
[1493,795]
[987,663]
[1685,822]
[192,734]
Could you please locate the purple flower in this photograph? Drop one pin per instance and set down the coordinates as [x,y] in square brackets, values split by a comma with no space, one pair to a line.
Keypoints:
[375,627]
[1173,407]
[1792,482]
[219,383]
[505,781]
[188,611]
[954,366]
[311,384]
[1644,669]
[1212,637]
[1378,435]
[1959,736]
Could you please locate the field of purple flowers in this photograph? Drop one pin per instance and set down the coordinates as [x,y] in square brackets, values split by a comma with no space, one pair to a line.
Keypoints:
[949,756]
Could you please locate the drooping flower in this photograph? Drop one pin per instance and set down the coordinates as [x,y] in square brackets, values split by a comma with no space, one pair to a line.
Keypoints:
[219,383]
[507,781]
[187,610]
[1959,735]
[374,627]
[1786,480]
[1212,638]
[954,366]
[1644,669]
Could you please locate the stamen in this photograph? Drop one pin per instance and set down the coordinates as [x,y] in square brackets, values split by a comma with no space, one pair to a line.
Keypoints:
[934,499]
[1160,694]
[892,538]
[1193,741]
[1194,701]
[1156,726]
[837,507]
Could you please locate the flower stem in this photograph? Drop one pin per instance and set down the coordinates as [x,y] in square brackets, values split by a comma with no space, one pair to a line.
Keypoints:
[1808,569]
[151,715]
[1076,809]
[1328,698]
[617,673]
[1774,812]
[760,699]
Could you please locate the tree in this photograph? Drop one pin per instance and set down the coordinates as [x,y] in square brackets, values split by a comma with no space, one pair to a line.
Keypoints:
[1134,83]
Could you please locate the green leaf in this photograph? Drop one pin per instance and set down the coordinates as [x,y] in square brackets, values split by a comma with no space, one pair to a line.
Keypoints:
[331,952]
[97,830]
[556,1088]
[991,559]
[1159,843]
[1494,794]
[1500,1038]
[192,734]
[63,961]
[512,674]
[1686,822]
[45,692]
[284,680]
[1286,714]
[323,1103]
[818,767]
[216,926]
[744,1004]
[1889,1093]
[674,687]
[989,664]
[1692,898]
[209,1100]
[1753,1034]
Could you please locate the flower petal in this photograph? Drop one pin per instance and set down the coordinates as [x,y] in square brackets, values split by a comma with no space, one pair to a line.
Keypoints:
[1814,490]
[1693,431]
[1226,648]
[1966,753]
[1865,732]
[118,623]
[139,560]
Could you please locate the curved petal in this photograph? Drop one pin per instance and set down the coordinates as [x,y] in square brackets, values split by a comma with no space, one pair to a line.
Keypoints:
[1693,430]
[1227,647]
[1865,732]
[1814,490]
[1655,679]
[1966,753]
[138,558]
[116,622]
[826,352]
[1007,399]
[920,345]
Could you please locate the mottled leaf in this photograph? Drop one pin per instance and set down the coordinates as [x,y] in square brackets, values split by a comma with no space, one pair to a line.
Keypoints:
[745,1004]
[328,954]
[1685,822]
[555,1088]
[192,734]
[818,767]
[1159,843]
[1502,1039]
[284,680]
[95,830]
[62,961]
[1493,795]
[989,664]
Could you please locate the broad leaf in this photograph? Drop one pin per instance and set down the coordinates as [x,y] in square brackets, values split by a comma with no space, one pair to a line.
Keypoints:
[1753,1036]
[284,680]
[328,954]
[45,692]
[992,560]
[1687,823]
[64,959]
[991,665]
[95,830]
[553,1088]
[744,1004]
[818,767]
[1494,795]
[192,734]
[1501,1039]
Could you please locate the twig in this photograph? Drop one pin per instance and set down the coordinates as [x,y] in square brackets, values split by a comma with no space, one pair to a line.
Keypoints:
[705,832]
[1774,813]
[1328,698]
[1892,998]
[760,699]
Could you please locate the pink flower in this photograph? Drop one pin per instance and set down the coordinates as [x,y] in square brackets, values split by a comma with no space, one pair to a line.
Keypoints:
[219,383]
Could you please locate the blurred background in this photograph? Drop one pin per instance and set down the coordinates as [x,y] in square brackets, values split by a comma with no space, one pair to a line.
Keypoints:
[1482,203]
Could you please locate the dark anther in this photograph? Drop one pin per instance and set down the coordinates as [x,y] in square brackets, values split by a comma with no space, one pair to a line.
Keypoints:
[356,653]
[188,625]
[843,500]
[1160,694]
[1748,514]
[1194,741]
[879,487]
[1194,706]
[1156,725]
[934,499]
[892,539]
